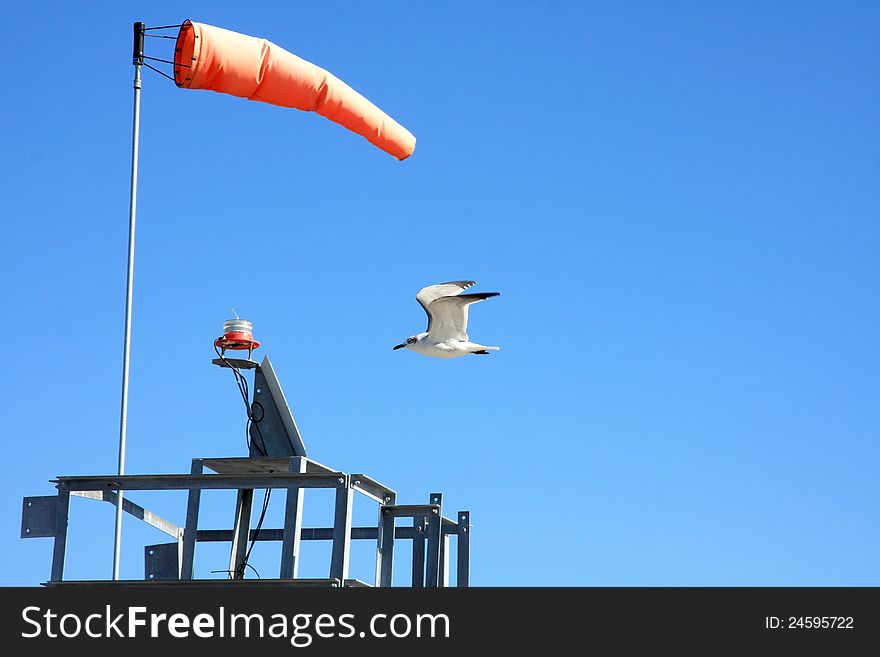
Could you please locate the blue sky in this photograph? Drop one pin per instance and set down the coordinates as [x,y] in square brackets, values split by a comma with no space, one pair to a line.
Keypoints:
[678,202]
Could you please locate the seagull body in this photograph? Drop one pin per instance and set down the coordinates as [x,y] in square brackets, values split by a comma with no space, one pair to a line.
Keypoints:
[447,310]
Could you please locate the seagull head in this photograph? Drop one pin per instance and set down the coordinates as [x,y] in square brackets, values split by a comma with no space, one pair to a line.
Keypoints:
[411,340]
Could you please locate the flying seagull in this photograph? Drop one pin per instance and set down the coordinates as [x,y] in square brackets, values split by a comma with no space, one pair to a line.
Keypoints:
[447,310]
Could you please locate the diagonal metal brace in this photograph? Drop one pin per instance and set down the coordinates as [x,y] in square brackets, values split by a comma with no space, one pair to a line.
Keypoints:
[133,509]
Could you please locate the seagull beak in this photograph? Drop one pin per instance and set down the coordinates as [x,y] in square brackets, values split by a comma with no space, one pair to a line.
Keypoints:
[398,346]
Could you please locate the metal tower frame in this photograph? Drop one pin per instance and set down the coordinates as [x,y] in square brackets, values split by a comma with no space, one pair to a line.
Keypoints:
[47,516]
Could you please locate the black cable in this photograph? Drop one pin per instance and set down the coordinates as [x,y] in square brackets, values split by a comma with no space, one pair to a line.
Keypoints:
[240,381]
[223,570]
[242,384]
[243,388]
[255,423]
[257,529]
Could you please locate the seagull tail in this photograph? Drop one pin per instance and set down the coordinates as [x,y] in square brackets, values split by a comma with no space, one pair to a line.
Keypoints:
[484,351]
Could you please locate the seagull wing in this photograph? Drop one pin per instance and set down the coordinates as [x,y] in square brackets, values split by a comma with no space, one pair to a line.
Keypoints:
[428,294]
[449,316]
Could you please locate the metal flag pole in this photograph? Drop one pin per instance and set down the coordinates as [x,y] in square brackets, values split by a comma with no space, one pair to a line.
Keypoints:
[137,60]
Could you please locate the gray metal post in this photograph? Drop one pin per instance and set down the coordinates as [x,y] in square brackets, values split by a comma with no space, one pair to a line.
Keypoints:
[60,547]
[241,531]
[179,550]
[464,549]
[444,560]
[433,530]
[290,550]
[385,543]
[418,552]
[341,531]
[138,60]
[190,532]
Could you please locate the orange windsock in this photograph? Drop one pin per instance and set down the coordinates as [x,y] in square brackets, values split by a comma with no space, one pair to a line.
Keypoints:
[208,57]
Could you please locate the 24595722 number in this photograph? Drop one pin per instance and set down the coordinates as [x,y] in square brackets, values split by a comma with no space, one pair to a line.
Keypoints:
[809,622]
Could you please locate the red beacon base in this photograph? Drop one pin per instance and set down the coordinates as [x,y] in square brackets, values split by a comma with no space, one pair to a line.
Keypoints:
[237,336]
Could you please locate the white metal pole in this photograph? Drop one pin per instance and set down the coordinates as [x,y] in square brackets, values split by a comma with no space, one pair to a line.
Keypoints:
[129,284]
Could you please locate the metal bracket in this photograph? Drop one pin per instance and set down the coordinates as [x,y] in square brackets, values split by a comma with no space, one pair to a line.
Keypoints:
[162,562]
[38,516]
